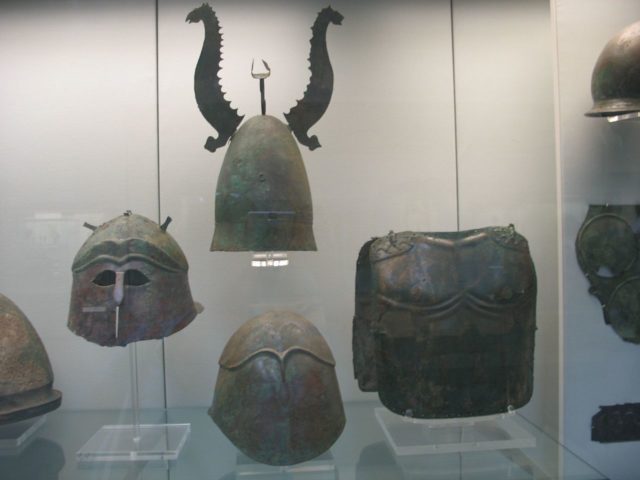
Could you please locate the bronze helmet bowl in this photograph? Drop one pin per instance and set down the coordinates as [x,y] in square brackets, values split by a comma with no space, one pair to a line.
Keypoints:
[130,283]
[263,200]
[615,81]
[26,377]
[277,397]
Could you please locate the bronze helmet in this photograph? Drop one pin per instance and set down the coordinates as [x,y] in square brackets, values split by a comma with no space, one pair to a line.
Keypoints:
[445,322]
[263,200]
[129,283]
[277,397]
[615,82]
[26,377]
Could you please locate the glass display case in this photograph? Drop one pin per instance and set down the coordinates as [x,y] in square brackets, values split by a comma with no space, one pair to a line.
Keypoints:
[438,116]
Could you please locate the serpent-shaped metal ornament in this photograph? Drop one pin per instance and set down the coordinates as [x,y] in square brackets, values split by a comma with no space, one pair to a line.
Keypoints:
[263,199]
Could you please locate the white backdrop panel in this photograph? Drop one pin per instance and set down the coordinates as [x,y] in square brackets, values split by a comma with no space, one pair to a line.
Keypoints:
[506,157]
[77,143]
[600,165]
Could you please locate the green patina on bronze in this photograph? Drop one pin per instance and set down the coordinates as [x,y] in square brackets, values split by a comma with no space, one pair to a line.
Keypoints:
[615,81]
[26,377]
[263,200]
[132,263]
[277,397]
[607,248]
[444,323]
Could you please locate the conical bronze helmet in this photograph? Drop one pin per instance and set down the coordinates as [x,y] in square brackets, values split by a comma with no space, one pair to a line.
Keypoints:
[26,377]
[263,200]
[615,82]
[130,283]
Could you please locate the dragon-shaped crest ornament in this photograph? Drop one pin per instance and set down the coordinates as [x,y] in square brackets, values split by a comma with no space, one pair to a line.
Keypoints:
[263,199]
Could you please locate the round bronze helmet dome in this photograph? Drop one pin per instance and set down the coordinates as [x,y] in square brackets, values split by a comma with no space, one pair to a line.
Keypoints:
[263,200]
[615,82]
[130,283]
[277,396]
[26,377]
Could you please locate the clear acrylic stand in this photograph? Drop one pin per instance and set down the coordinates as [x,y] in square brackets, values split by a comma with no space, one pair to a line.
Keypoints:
[14,436]
[136,442]
[269,259]
[411,436]
[322,467]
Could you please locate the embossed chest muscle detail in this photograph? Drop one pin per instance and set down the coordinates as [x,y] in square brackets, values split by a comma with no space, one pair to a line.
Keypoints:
[438,274]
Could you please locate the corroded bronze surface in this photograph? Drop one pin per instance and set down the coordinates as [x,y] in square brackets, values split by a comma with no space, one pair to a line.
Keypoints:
[25,372]
[263,200]
[129,284]
[615,82]
[616,423]
[445,322]
[277,397]
[318,93]
[607,247]
[209,95]
[217,109]
[363,345]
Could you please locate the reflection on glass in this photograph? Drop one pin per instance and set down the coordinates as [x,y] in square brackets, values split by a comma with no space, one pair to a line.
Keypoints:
[622,117]
[270,259]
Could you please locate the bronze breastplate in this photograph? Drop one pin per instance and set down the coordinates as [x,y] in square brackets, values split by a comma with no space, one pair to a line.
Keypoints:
[445,322]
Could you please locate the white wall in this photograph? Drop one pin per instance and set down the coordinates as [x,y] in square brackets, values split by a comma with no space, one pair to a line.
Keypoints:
[506,158]
[600,165]
[78,143]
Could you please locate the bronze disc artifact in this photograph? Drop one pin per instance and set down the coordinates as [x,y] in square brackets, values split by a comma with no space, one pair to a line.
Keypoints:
[607,247]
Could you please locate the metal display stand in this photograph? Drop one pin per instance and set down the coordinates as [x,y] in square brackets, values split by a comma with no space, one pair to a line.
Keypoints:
[322,467]
[15,436]
[136,442]
[411,436]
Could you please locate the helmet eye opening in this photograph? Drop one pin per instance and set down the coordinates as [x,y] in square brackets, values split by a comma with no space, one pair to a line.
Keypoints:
[135,278]
[105,278]
[132,278]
